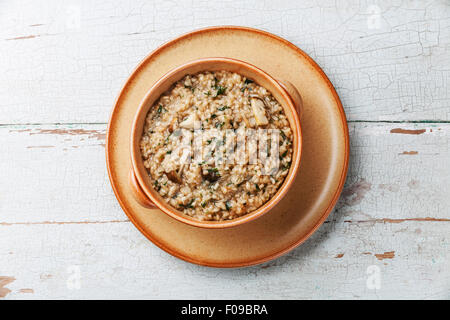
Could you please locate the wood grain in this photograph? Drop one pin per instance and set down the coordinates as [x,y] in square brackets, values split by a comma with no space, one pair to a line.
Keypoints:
[59,211]
[62,69]
[116,261]
[57,174]
[388,61]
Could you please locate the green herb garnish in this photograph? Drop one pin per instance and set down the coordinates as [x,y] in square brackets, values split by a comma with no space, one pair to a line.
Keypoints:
[190,87]
[189,205]
[219,124]
[220,90]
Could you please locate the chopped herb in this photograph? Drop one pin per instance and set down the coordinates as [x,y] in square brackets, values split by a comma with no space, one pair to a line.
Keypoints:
[213,116]
[220,90]
[228,205]
[215,170]
[157,186]
[201,163]
[190,87]
[219,124]
[203,204]
[257,187]
[229,184]
[207,93]
[160,108]
[283,135]
[189,205]
[223,108]
[213,175]
[169,152]
[248,81]
[286,167]
[167,139]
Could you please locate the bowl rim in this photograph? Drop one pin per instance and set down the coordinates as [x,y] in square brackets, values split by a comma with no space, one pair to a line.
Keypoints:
[267,206]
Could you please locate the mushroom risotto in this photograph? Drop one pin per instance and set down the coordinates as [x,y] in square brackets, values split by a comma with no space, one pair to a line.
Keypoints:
[195,155]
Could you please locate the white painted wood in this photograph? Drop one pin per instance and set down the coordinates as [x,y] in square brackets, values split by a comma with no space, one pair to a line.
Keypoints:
[58,211]
[58,173]
[116,261]
[63,64]
[66,61]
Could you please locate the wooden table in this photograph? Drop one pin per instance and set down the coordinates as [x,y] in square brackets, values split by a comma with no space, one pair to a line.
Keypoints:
[62,232]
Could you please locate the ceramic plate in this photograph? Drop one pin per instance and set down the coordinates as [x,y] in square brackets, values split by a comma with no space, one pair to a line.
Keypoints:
[322,170]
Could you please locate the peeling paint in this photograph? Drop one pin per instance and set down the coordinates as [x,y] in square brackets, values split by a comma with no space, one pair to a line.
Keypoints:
[389,220]
[97,134]
[411,153]
[3,282]
[408,131]
[386,255]
[39,147]
[61,222]
[24,37]
[26,290]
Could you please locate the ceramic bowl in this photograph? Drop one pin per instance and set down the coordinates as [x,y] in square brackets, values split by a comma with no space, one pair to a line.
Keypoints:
[284,92]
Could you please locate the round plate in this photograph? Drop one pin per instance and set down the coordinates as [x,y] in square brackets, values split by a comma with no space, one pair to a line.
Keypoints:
[323,165]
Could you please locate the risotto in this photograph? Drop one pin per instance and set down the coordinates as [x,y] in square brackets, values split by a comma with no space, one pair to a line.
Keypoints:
[216,145]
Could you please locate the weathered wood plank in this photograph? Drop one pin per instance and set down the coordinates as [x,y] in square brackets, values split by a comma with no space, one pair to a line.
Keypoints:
[57,173]
[397,171]
[114,260]
[67,63]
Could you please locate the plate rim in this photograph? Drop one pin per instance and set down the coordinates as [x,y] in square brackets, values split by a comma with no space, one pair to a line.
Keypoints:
[326,212]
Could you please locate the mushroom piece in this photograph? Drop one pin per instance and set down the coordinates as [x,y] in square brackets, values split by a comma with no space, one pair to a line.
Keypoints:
[173,176]
[212,176]
[258,108]
[189,122]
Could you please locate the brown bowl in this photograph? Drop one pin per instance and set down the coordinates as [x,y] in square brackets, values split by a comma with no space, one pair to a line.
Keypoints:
[284,92]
